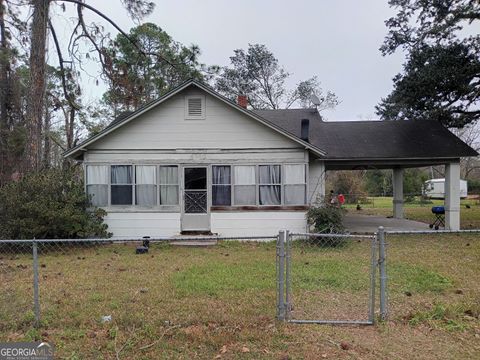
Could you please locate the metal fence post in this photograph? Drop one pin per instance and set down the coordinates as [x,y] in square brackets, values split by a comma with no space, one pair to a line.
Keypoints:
[383,273]
[373,272]
[280,275]
[287,273]
[36,300]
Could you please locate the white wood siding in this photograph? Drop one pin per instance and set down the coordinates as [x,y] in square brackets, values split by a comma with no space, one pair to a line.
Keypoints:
[195,156]
[165,127]
[257,223]
[316,182]
[139,224]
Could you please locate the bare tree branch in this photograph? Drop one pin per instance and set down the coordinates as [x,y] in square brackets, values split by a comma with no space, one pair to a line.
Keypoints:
[79,3]
[68,96]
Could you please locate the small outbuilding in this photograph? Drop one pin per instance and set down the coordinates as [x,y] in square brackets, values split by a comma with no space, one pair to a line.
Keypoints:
[194,161]
[435,189]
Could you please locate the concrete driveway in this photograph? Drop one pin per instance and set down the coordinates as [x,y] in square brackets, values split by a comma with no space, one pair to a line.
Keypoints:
[362,224]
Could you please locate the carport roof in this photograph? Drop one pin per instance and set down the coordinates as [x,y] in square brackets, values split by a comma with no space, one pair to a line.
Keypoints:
[373,140]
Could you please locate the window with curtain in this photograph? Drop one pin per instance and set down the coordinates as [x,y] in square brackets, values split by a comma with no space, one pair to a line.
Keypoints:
[245,185]
[97,184]
[295,184]
[145,185]
[221,185]
[168,182]
[270,184]
[121,185]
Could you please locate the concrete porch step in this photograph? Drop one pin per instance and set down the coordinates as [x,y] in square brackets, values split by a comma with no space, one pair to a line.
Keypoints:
[193,243]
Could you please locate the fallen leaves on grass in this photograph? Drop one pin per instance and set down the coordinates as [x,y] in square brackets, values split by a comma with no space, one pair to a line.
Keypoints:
[245,349]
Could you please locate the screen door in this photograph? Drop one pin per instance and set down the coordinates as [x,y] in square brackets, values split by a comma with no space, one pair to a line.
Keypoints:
[195,214]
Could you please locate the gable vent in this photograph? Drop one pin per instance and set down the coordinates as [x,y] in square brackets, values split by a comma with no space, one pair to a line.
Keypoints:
[195,107]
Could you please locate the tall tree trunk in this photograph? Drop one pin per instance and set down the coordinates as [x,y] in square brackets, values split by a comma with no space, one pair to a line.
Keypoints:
[69,127]
[46,138]
[4,68]
[4,93]
[36,91]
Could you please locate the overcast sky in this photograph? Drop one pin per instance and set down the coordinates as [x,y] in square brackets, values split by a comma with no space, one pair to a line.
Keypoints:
[336,40]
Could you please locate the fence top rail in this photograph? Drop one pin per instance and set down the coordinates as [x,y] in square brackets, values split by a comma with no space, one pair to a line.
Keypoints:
[321,235]
[136,239]
[416,232]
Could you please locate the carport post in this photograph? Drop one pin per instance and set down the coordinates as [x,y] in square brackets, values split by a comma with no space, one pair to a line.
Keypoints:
[398,193]
[452,196]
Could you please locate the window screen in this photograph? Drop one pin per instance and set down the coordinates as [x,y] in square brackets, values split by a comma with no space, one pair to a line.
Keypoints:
[121,185]
[221,185]
[295,184]
[97,184]
[145,185]
[270,188]
[245,185]
[168,180]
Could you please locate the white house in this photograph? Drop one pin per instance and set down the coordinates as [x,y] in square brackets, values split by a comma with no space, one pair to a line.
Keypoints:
[194,161]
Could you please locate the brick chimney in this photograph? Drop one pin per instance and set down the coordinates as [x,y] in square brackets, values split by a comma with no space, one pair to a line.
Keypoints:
[242,101]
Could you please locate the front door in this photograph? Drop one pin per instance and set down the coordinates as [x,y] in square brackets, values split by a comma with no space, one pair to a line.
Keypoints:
[195,214]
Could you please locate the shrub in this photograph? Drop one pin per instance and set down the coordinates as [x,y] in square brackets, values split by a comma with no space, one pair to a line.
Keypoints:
[326,219]
[47,205]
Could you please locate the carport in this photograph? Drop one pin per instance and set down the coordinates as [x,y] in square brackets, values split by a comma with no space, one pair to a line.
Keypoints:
[398,145]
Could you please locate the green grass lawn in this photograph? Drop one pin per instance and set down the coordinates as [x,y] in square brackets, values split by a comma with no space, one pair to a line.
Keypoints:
[382,206]
[219,302]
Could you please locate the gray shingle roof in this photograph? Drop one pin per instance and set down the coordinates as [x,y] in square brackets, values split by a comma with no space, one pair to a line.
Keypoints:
[373,139]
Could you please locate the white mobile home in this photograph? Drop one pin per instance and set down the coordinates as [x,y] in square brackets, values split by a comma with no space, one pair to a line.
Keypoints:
[435,189]
[195,161]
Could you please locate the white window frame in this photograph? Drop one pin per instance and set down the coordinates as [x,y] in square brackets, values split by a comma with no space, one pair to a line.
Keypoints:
[133,207]
[177,207]
[203,106]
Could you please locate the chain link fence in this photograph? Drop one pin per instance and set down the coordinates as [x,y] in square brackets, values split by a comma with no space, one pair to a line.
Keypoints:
[329,278]
[69,283]
[433,277]
[385,201]
[321,278]
[423,277]
[16,279]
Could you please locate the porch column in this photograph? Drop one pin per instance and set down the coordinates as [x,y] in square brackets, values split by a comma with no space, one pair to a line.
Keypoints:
[452,196]
[398,193]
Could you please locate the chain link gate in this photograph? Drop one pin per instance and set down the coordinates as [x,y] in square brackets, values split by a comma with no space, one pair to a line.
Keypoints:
[326,278]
